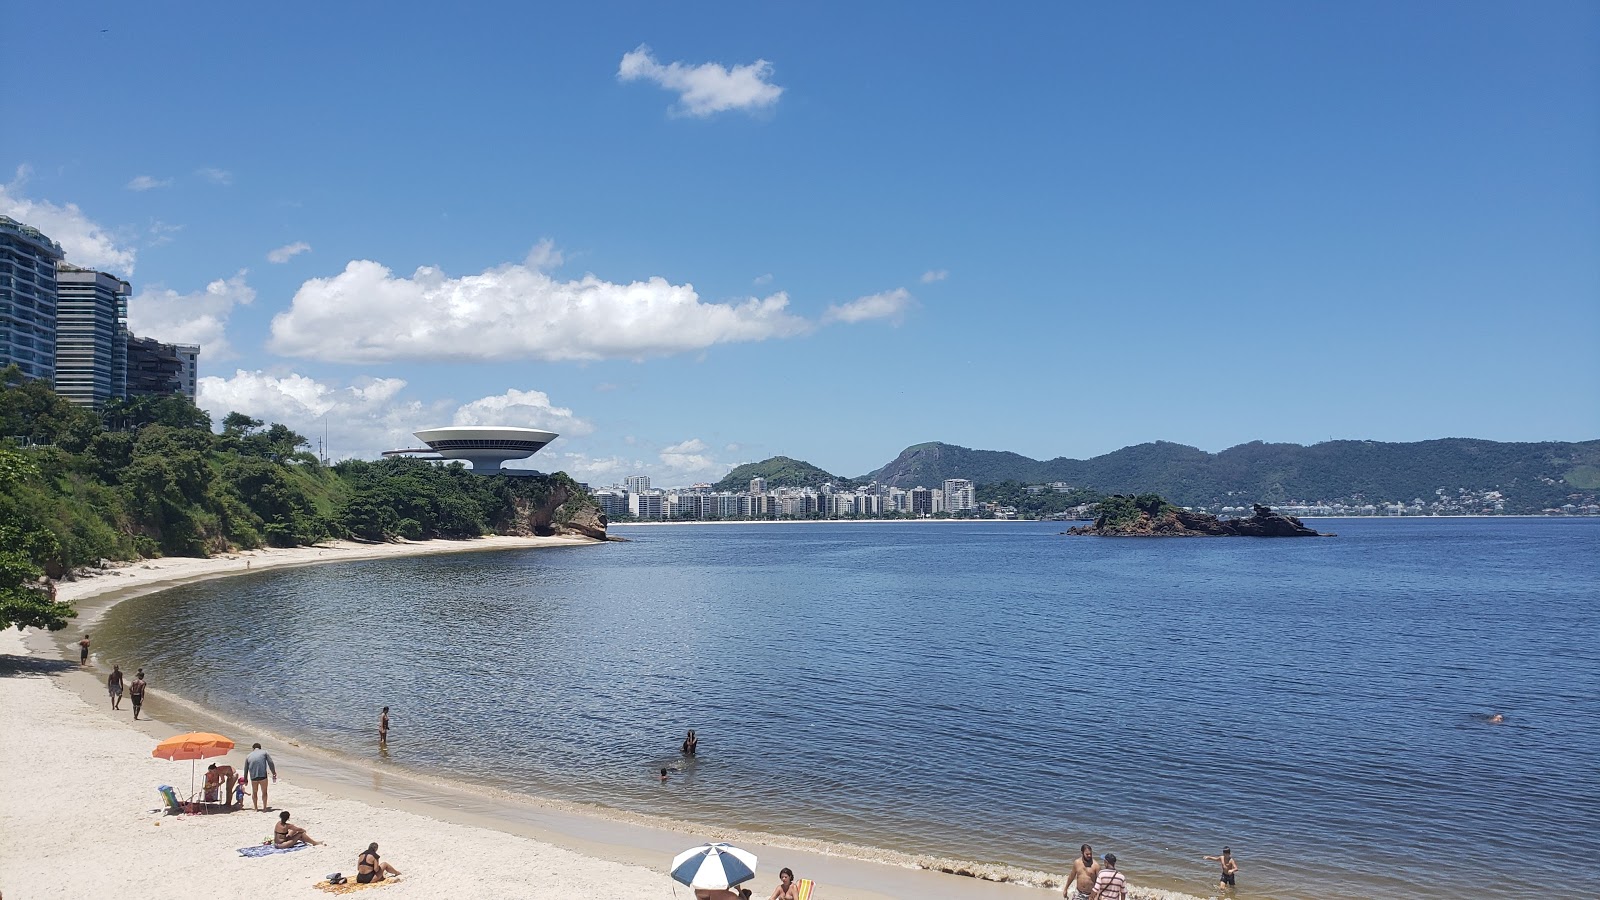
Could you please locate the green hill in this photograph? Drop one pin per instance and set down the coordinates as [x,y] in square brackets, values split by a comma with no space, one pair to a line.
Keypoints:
[1530,476]
[779,471]
[151,478]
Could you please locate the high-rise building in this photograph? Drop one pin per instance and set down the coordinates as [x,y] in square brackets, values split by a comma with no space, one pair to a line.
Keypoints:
[28,299]
[959,495]
[647,506]
[758,485]
[91,335]
[155,368]
[921,501]
[613,503]
[636,484]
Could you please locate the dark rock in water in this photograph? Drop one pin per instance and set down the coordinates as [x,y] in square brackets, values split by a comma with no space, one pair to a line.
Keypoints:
[1174,522]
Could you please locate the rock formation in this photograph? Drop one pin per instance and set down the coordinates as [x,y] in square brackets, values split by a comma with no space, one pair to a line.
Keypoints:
[1160,519]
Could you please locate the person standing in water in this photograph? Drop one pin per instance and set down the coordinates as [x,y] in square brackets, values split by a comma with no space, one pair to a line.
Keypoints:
[1230,869]
[691,743]
[383,728]
[114,687]
[136,692]
[1085,869]
[83,651]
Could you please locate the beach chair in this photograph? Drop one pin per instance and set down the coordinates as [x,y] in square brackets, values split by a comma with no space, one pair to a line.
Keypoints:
[803,889]
[170,801]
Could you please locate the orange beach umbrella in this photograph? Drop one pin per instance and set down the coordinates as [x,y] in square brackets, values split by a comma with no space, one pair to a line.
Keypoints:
[192,746]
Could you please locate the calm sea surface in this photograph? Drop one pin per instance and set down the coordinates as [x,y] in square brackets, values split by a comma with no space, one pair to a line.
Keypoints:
[989,692]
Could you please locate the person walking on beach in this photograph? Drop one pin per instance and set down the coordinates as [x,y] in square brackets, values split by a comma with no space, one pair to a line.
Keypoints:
[136,692]
[114,687]
[83,651]
[1110,884]
[1230,869]
[1085,869]
[256,767]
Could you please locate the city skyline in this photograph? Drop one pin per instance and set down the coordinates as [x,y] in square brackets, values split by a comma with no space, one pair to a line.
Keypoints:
[1059,233]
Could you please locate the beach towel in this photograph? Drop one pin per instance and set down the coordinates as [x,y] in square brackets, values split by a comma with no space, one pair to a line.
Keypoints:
[352,885]
[269,850]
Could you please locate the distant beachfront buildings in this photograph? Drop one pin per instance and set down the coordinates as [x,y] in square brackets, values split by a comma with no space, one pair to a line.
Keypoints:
[635,499]
[68,325]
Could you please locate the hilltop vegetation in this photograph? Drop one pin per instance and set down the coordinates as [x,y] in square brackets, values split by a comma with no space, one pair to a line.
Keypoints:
[151,478]
[1530,476]
[780,471]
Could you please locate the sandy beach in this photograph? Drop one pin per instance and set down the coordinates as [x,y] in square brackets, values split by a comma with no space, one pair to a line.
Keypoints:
[78,801]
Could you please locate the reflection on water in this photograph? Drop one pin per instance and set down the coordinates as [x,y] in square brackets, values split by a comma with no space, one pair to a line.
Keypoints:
[987,692]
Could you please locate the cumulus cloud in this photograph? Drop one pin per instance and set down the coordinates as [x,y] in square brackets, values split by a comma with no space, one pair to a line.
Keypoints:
[147,182]
[288,251]
[887,305]
[687,456]
[674,465]
[85,242]
[216,176]
[705,89]
[363,418]
[200,317]
[932,275]
[368,314]
[523,409]
[762,279]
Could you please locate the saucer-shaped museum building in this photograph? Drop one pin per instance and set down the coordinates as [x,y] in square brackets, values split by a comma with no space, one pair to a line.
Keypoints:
[485,446]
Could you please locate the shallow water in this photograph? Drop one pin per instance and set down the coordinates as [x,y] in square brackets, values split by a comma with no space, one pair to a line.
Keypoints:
[991,692]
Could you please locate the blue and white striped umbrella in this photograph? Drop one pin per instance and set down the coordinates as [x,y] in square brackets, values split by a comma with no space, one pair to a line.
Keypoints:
[713,866]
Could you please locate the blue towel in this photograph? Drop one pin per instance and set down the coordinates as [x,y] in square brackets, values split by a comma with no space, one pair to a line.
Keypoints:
[269,850]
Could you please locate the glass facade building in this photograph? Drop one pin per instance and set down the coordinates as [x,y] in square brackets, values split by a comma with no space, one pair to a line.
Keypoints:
[91,335]
[28,299]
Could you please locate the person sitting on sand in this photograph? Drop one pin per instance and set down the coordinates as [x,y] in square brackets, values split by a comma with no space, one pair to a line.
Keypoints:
[285,835]
[786,889]
[370,868]
[723,894]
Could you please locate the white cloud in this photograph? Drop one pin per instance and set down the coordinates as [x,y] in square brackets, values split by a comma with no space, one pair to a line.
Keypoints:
[147,182]
[705,89]
[932,275]
[200,317]
[887,305]
[363,419]
[675,465]
[367,314]
[85,242]
[216,176]
[760,280]
[523,409]
[288,251]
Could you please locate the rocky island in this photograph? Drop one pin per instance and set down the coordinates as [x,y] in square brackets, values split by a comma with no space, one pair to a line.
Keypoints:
[1148,515]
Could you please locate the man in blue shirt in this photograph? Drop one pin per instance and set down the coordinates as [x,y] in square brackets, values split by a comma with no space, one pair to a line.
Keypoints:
[256,767]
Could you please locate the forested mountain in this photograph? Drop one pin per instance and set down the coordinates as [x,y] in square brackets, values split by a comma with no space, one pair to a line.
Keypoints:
[1530,476]
[779,471]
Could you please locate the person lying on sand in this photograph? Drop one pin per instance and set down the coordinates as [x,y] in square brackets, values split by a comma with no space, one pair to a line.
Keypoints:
[370,868]
[286,835]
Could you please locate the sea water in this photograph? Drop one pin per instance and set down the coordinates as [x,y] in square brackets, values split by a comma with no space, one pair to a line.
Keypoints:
[992,692]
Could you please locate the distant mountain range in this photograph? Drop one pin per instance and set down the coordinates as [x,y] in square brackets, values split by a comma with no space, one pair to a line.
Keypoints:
[1530,476]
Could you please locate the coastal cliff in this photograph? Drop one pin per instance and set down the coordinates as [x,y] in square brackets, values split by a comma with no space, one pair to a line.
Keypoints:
[1147,515]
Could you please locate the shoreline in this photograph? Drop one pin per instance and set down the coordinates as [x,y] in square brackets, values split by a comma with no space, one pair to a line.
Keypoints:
[600,837]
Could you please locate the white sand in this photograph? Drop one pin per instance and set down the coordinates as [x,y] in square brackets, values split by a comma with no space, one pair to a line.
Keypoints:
[77,797]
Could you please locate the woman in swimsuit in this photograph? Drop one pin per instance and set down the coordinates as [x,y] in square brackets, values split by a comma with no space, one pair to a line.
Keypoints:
[286,835]
[786,889]
[370,868]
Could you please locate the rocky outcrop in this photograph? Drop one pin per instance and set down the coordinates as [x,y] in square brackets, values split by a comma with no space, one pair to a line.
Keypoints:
[552,505]
[1170,521]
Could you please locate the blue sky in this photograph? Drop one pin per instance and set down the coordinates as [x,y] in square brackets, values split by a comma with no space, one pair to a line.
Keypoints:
[688,237]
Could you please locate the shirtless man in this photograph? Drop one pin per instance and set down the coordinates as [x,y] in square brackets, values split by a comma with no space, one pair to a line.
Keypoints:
[1085,869]
[83,651]
[383,727]
[136,692]
[114,687]
[1230,869]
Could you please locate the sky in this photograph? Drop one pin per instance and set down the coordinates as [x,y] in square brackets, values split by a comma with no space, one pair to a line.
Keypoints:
[690,236]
